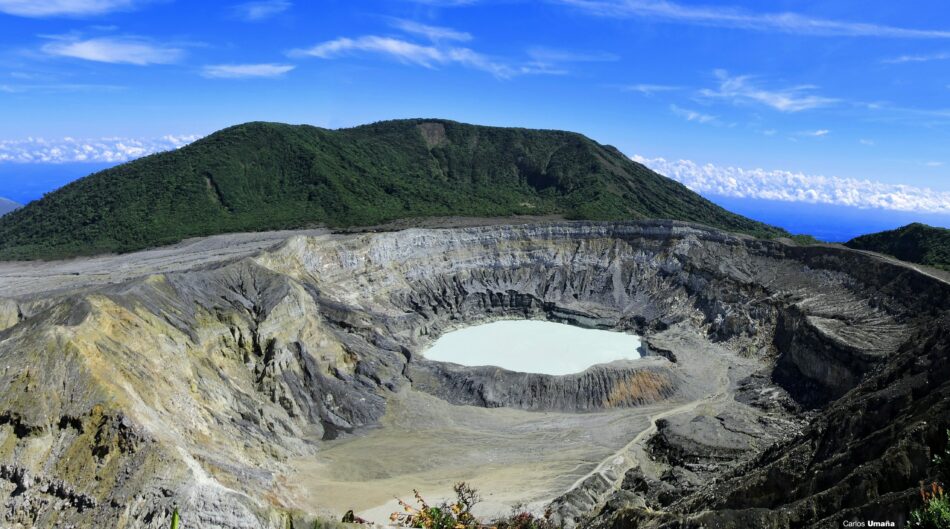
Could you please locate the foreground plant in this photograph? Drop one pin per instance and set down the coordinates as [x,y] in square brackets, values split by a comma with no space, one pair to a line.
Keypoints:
[526,520]
[457,515]
[935,514]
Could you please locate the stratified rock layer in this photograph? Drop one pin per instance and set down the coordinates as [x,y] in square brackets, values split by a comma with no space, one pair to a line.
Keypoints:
[191,388]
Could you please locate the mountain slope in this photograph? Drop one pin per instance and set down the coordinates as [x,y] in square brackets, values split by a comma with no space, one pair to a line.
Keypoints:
[916,243]
[261,176]
[7,205]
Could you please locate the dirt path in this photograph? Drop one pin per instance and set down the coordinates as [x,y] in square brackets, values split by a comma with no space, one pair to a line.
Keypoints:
[612,469]
[615,464]
[44,278]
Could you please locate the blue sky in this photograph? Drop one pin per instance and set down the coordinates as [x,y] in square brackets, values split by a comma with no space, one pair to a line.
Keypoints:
[835,102]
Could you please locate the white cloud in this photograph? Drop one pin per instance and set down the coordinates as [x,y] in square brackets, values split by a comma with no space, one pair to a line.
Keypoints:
[445,3]
[934,164]
[425,55]
[692,115]
[864,141]
[550,61]
[649,89]
[109,150]
[51,8]
[742,89]
[789,186]
[442,50]
[734,18]
[395,48]
[816,133]
[551,55]
[61,88]
[433,33]
[244,71]
[255,11]
[115,50]
[918,58]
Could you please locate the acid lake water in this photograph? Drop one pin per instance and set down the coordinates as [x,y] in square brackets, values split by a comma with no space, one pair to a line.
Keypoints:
[530,346]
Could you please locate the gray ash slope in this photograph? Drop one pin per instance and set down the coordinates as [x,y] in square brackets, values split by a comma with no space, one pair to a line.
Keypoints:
[193,387]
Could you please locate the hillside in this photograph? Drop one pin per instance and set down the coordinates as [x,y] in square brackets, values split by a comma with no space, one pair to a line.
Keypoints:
[6,206]
[263,176]
[916,243]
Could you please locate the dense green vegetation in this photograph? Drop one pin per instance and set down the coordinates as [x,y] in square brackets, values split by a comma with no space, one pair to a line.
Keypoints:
[935,511]
[915,243]
[262,176]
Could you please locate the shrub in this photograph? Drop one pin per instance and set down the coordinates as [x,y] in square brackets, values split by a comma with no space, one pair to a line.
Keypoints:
[935,514]
[525,520]
[457,515]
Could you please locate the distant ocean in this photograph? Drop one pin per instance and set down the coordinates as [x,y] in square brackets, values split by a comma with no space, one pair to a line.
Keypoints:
[26,182]
[826,222]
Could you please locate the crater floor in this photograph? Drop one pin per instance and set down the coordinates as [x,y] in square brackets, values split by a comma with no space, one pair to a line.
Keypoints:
[512,456]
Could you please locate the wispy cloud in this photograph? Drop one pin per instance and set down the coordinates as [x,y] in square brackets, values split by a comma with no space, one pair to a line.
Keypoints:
[552,61]
[790,186]
[245,71]
[445,3]
[425,55]
[649,89]
[552,55]
[116,50]
[942,56]
[52,8]
[865,141]
[816,133]
[744,89]
[736,18]
[692,115]
[256,11]
[60,88]
[111,150]
[404,51]
[433,33]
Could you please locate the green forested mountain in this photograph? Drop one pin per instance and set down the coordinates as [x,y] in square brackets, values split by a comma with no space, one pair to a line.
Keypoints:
[261,176]
[916,243]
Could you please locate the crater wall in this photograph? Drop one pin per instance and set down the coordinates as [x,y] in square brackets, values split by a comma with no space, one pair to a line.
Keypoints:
[209,378]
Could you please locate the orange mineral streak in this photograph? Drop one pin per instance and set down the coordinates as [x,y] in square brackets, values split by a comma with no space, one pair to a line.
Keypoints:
[640,387]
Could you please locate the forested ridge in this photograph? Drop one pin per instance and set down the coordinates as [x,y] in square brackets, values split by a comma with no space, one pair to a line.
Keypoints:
[262,176]
[916,243]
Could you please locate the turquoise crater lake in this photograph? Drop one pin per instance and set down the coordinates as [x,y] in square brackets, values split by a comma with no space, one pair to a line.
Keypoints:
[530,346]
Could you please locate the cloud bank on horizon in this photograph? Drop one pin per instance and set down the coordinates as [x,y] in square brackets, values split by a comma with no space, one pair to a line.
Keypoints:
[707,179]
[103,150]
[789,186]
